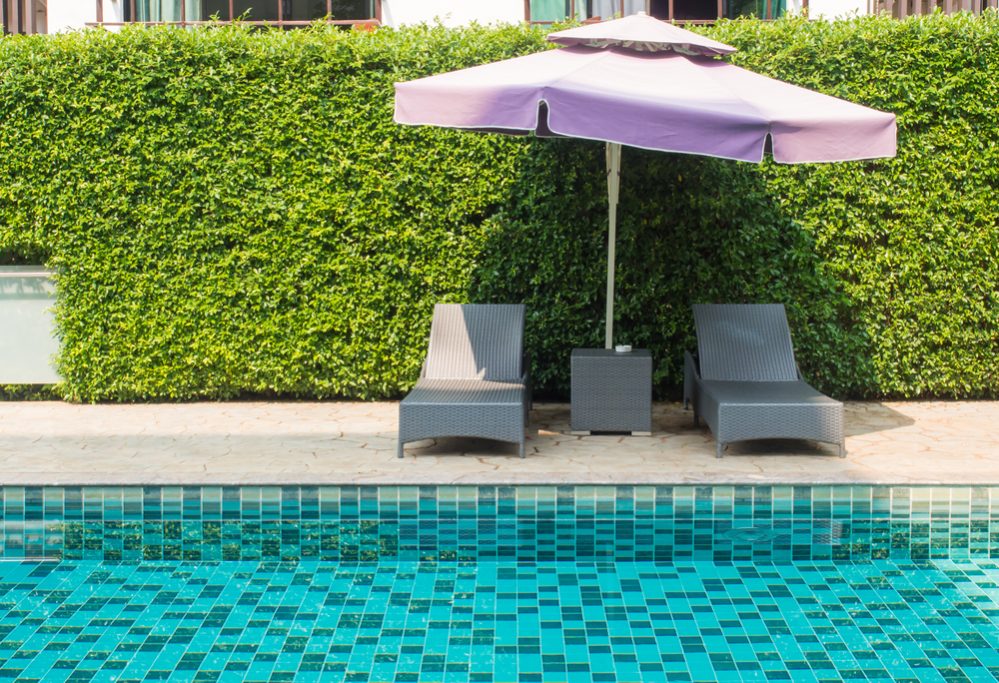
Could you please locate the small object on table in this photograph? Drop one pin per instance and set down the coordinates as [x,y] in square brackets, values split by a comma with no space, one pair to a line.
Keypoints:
[623,348]
[611,391]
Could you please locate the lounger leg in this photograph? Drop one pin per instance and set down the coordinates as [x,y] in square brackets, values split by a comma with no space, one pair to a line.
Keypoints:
[697,418]
[719,447]
[398,452]
[523,449]
[842,449]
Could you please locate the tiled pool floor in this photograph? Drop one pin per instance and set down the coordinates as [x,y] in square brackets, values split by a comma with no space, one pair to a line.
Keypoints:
[626,621]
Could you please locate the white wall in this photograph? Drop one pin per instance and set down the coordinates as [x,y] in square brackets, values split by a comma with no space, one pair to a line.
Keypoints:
[836,9]
[452,12]
[66,15]
[69,15]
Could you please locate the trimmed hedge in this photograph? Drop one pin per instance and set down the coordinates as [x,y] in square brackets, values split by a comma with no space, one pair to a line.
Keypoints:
[234,213]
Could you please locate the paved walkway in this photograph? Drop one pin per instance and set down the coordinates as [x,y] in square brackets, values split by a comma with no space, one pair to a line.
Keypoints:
[335,443]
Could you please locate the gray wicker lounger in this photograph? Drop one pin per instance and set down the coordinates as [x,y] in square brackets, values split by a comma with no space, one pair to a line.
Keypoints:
[745,382]
[474,379]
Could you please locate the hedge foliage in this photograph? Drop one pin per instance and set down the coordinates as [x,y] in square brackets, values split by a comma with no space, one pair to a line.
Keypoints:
[234,213]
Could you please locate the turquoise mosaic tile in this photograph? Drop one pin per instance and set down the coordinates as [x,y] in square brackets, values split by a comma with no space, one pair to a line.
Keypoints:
[495,584]
[556,622]
[524,523]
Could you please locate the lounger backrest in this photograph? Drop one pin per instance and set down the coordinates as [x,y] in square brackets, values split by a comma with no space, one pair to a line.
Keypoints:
[744,342]
[476,341]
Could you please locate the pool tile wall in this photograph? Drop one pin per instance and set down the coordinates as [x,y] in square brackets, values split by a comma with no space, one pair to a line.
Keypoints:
[511,523]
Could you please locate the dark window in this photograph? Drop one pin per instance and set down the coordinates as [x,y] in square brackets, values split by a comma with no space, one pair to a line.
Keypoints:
[689,10]
[212,9]
[256,10]
[353,9]
[304,10]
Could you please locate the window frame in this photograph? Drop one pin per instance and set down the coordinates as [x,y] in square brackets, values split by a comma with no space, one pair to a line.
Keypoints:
[670,13]
[572,10]
[18,17]
[130,8]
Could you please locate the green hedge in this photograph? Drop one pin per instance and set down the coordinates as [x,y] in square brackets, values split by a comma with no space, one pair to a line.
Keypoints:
[233,213]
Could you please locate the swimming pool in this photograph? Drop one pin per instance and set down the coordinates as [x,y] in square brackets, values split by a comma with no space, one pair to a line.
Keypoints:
[569,583]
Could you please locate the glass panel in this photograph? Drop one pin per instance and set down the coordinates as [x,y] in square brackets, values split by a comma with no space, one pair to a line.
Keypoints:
[215,9]
[304,10]
[352,9]
[27,333]
[765,9]
[605,9]
[167,10]
[696,9]
[256,10]
[549,10]
[611,9]
[559,10]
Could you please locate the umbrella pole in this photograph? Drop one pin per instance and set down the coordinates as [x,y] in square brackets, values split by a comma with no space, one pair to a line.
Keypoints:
[613,186]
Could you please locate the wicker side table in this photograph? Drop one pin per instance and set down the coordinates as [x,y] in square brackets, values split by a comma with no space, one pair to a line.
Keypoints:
[611,392]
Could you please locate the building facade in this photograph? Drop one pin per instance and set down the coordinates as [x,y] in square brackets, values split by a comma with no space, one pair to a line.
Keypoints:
[49,16]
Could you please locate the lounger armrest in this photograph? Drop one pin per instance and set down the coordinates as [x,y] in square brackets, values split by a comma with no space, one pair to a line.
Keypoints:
[525,378]
[691,375]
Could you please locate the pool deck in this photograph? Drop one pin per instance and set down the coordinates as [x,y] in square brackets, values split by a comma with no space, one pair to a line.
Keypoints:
[52,443]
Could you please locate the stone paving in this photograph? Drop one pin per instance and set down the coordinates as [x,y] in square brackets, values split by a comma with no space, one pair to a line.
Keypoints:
[52,443]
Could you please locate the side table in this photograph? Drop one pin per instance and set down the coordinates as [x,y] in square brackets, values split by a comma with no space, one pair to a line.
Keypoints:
[611,392]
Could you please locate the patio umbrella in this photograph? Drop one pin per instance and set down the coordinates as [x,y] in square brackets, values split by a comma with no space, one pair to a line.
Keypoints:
[644,83]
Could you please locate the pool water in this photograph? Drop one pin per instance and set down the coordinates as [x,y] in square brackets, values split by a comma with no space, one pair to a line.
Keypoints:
[738,600]
[627,621]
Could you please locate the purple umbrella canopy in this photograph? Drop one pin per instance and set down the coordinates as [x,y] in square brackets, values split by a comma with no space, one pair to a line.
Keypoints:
[644,83]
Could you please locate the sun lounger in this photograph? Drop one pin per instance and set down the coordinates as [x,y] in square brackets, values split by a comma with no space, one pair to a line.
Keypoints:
[745,383]
[474,381]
